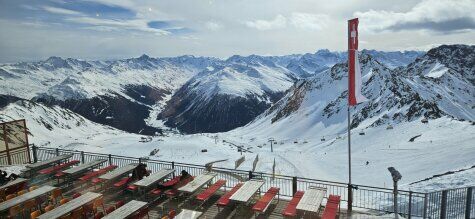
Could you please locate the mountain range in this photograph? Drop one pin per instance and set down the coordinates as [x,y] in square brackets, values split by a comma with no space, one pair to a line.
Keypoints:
[205,94]
[298,100]
[437,84]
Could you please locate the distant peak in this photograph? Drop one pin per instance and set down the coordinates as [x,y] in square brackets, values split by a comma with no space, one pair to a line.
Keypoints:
[235,57]
[54,58]
[444,49]
[320,51]
[73,59]
[144,57]
[369,50]
[186,56]
[54,62]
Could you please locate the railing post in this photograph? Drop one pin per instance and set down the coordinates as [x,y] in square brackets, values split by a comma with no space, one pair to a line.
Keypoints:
[396,207]
[173,167]
[424,214]
[410,206]
[110,159]
[35,153]
[9,159]
[350,198]
[82,157]
[294,185]
[443,205]
[57,151]
[468,206]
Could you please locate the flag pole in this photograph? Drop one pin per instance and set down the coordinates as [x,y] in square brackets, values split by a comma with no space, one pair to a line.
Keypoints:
[350,188]
[354,92]
[350,191]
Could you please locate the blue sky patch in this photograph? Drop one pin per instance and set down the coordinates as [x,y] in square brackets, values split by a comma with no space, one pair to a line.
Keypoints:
[180,31]
[159,24]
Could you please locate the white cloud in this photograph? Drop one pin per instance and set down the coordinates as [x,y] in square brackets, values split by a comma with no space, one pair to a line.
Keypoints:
[102,28]
[109,24]
[309,21]
[278,22]
[211,25]
[61,11]
[29,7]
[190,37]
[144,14]
[304,21]
[231,35]
[120,3]
[437,15]
[35,24]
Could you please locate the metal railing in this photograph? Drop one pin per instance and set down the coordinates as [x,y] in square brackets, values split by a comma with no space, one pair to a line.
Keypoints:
[454,203]
[15,156]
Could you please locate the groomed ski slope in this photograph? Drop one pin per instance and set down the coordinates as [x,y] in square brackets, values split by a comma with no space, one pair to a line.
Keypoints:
[444,145]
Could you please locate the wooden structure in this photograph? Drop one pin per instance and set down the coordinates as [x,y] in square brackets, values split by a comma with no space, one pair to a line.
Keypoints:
[67,208]
[312,200]
[126,210]
[14,147]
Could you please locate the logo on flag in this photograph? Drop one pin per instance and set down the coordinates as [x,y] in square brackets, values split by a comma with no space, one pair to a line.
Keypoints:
[354,70]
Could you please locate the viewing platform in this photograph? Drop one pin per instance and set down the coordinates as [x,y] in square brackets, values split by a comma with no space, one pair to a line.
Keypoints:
[76,184]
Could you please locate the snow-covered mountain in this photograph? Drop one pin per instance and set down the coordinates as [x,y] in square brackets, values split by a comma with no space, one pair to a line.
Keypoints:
[400,95]
[74,79]
[130,94]
[309,124]
[119,93]
[227,96]
[43,122]
[310,64]
[394,59]
[445,78]
[234,93]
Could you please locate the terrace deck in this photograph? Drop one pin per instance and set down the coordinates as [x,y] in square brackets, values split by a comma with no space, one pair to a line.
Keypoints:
[161,206]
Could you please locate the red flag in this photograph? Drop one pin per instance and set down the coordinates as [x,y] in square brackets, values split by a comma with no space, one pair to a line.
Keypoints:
[354,70]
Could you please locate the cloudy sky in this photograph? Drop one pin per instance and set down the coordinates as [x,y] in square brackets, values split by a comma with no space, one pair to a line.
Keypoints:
[111,29]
